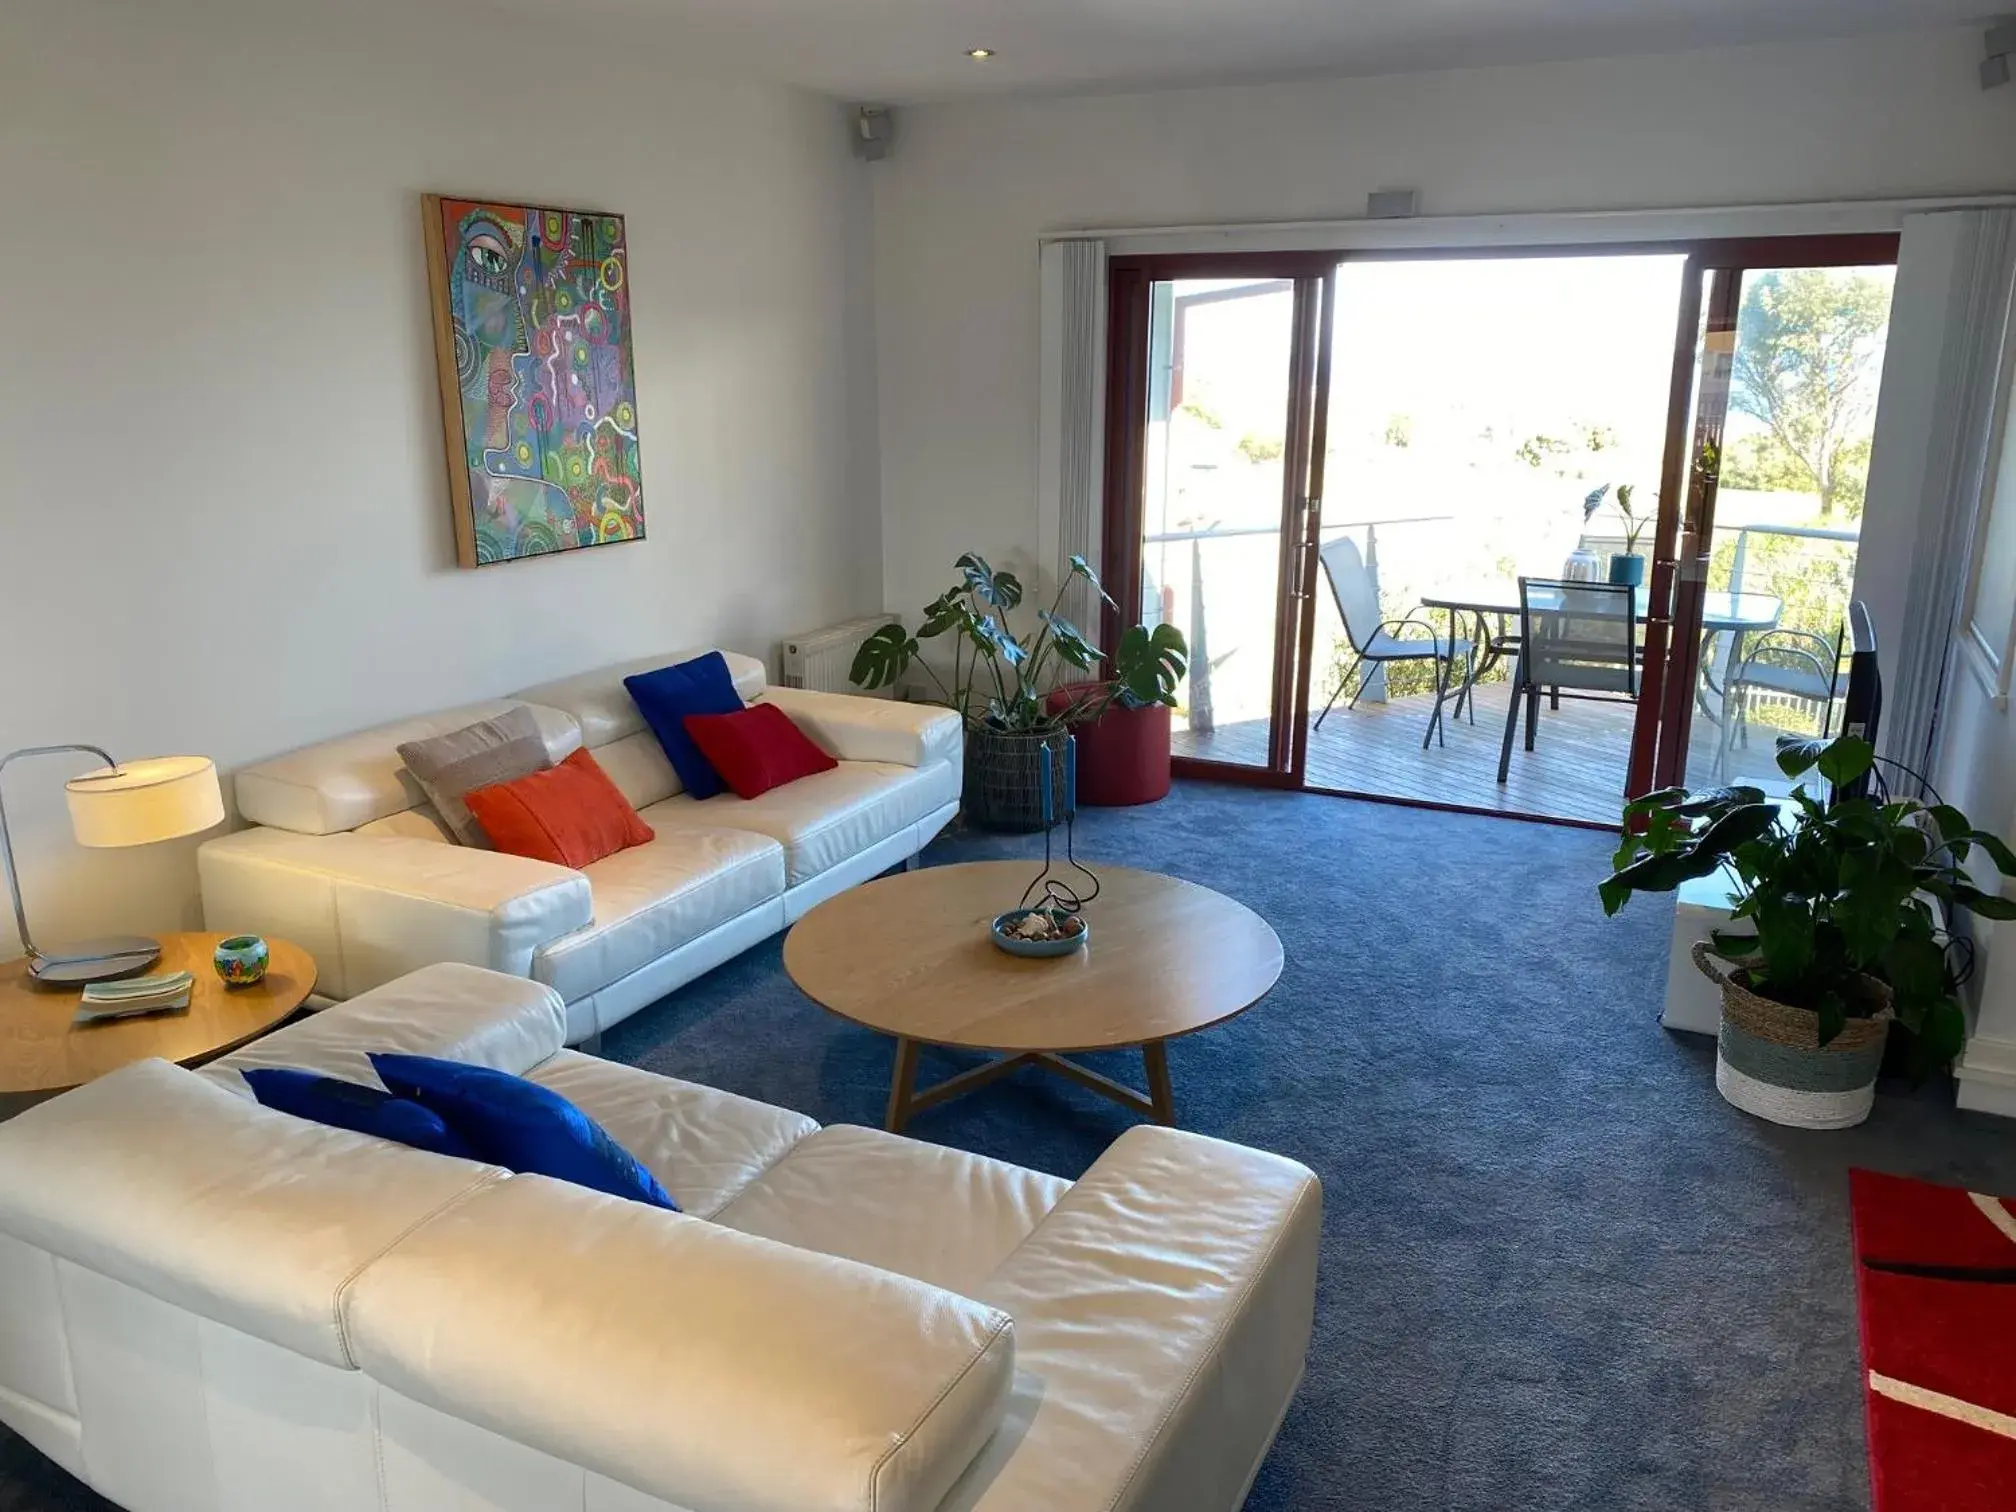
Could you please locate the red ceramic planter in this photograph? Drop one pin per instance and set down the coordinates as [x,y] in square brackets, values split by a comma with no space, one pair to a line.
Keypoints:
[1123,755]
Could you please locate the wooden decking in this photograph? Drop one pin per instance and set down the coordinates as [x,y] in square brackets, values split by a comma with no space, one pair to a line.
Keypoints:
[1574,771]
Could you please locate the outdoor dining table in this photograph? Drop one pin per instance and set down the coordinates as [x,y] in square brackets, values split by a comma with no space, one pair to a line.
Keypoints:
[1733,614]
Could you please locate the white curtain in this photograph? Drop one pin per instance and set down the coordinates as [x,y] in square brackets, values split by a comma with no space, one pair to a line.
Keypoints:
[1071,431]
[1933,463]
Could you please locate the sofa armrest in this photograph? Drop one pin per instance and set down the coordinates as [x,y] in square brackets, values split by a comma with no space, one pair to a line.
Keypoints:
[371,908]
[874,729]
[711,1369]
[1190,1266]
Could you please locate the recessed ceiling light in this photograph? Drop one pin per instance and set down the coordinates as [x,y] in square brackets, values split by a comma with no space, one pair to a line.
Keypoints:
[979,54]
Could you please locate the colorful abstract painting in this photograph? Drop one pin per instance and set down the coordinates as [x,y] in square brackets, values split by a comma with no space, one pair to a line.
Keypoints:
[538,390]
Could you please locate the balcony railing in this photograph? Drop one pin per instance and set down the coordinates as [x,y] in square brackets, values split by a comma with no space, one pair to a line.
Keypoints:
[1743,568]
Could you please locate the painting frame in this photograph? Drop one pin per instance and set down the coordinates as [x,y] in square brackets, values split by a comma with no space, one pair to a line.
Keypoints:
[535,362]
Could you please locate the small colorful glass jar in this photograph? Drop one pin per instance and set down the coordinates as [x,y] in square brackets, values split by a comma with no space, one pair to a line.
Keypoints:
[241,960]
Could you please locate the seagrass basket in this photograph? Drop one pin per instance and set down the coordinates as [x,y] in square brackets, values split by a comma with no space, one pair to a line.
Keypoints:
[1769,1060]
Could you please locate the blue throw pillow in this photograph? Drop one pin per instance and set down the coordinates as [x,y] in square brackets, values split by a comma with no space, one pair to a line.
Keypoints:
[703,685]
[521,1125]
[364,1110]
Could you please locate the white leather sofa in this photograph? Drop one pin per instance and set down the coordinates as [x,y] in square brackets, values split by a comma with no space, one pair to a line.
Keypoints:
[208,1306]
[347,860]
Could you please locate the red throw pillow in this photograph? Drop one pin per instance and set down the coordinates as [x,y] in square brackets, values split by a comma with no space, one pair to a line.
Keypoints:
[570,815]
[757,748]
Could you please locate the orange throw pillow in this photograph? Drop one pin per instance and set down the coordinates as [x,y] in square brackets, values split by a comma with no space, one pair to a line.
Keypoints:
[570,815]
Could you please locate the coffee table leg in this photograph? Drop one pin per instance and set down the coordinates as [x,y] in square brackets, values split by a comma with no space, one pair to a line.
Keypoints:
[1155,1057]
[900,1082]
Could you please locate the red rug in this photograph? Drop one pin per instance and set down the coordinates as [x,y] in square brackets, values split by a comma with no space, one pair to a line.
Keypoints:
[1936,1267]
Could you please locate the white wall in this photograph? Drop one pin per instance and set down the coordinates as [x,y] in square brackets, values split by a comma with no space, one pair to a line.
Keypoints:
[224,499]
[959,208]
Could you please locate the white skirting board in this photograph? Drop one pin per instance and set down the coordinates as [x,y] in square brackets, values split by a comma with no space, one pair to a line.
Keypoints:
[1987,1077]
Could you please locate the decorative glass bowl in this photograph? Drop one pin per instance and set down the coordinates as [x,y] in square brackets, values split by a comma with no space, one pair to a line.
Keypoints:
[1003,931]
[241,960]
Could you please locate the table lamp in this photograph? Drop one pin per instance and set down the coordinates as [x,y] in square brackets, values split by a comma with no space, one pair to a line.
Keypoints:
[161,798]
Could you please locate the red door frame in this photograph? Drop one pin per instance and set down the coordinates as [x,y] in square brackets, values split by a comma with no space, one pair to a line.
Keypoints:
[1684,535]
[1672,648]
[1128,320]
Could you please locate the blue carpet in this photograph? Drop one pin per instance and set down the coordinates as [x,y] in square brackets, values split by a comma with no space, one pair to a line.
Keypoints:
[1558,1271]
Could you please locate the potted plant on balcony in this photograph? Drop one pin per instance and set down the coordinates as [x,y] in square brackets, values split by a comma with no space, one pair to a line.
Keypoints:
[1843,938]
[1001,681]
[1626,566]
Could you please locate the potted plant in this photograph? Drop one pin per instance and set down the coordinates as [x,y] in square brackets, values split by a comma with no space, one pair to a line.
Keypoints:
[1001,681]
[1844,940]
[1626,566]
[1123,747]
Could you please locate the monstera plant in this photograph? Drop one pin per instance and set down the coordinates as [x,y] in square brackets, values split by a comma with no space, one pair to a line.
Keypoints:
[999,679]
[1018,741]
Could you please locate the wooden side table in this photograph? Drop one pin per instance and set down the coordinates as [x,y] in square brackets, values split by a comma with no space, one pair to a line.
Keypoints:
[43,1052]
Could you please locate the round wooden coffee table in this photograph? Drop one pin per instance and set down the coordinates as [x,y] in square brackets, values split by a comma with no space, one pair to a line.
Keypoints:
[43,1052]
[910,955]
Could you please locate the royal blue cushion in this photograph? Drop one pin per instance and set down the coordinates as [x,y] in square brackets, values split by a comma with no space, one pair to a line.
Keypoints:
[703,685]
[521,1125]
[364,1110]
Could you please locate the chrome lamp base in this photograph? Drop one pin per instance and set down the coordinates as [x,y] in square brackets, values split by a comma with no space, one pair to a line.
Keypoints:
[93,961]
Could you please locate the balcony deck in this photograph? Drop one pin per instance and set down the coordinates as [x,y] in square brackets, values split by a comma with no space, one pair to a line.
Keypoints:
[1574,771]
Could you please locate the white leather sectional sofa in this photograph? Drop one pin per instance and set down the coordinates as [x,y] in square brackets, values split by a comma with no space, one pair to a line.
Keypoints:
[347,860]
[208,1306]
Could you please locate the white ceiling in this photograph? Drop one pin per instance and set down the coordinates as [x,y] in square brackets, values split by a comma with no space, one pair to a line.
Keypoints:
[901,51]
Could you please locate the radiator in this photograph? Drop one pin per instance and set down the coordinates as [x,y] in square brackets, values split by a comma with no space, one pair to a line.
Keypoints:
[820,659]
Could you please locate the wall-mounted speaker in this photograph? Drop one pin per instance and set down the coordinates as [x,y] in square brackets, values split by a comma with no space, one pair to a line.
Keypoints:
[1998,47]
[873,131]
[1393,204]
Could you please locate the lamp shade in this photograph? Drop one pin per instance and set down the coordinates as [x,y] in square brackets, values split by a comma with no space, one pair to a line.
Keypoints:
[139,802]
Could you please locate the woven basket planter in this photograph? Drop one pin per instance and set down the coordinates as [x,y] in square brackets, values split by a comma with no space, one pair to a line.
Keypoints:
[1769,1060]
[1004,778]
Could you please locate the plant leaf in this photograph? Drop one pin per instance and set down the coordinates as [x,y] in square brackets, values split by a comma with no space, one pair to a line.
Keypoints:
[1001,589]
[1846,759]
[1998,852]
[1070,641]
[1710,800]
[1988,905]
[1950,822]
[1149,665]
[882,658]
[1833,1011]
[1083,569]
[990,639]
[1798,754]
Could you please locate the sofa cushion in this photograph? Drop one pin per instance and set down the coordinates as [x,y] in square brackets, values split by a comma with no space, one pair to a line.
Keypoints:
[637,765]
[460,1012]
[705,1145]
[344,783]
[354,1106]
[921,1210]
[1162,1316]
[821,820]
[420,823]
[756,749]
[669,696]
[652,899]
[490,751]
[572,815]
[522,1126]
[697,1366]
[603,708]
[159,1178]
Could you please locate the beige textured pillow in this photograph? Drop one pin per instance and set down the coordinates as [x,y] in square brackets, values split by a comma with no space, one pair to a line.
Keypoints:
[476,756]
